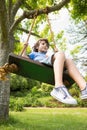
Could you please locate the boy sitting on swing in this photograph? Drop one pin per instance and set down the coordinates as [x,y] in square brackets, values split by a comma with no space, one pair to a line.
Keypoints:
[58,61]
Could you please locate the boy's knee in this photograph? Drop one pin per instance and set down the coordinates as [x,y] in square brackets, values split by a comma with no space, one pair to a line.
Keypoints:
[60,53]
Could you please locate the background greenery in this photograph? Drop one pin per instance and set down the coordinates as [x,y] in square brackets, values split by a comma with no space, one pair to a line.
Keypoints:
[30,93]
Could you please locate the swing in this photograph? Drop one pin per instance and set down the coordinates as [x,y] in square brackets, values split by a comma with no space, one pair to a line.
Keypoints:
[36,70]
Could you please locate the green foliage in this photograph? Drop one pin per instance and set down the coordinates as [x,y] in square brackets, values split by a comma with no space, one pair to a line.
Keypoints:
[12,103]
[82,103]
[74,92]
[32,3]
[37,103]
[61,41]
[44,32]
[52,103]
[19,46]
[36,92]
[76,50]
[18,82]
[60,35]
[21,83]
[79,9]
[16,104]
[35,4]
[46,88]
[62,45]
[36,95]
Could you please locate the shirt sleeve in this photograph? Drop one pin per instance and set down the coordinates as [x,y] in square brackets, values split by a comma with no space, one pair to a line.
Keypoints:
[31,55]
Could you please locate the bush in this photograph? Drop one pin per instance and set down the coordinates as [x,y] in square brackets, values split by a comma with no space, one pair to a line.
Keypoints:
[27,101]
[12,103]
[46,89]
[16,104]
[51,104]
[82,103]
[74,92]
[37,103]
[19,106]
[18,82]
[36,92]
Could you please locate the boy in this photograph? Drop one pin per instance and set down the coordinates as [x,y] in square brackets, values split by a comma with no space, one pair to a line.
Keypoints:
[59,61]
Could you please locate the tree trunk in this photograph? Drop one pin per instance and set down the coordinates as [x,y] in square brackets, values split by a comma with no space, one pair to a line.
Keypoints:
[4,99]
[5,85]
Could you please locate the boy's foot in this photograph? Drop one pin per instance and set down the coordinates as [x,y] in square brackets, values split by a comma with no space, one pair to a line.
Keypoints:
[84,93]
[62,95]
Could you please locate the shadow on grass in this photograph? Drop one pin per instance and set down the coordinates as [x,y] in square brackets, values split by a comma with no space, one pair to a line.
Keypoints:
[13,124]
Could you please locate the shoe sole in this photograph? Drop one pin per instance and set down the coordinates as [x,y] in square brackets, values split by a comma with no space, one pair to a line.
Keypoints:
[84,97]
[61,100]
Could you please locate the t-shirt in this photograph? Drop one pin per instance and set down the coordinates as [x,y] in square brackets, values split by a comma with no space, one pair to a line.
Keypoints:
[41,57]
[37,56]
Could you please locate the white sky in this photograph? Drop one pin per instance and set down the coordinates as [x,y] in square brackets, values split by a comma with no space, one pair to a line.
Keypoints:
[61,20]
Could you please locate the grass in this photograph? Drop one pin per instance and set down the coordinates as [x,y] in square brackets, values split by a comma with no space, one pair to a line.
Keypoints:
[47,119]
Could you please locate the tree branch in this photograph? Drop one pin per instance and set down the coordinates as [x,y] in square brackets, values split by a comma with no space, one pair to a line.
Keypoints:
[26,31]
[16,7]
[31,14]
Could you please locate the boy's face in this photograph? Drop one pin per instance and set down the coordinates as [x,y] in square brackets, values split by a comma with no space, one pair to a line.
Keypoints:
[42,47]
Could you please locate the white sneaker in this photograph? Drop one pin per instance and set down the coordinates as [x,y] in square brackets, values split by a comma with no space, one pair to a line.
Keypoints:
[62,95]
[84,93]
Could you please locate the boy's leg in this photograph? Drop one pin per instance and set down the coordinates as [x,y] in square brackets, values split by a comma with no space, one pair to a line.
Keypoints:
[59,59]
[60,92]
[75,74]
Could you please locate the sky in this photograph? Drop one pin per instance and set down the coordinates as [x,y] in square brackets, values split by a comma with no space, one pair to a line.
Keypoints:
[60,21]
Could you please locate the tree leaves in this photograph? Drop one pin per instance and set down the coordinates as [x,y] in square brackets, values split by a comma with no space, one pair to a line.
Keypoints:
[79,9]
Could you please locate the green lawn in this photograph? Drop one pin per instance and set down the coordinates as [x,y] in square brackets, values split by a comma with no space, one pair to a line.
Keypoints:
[47,119]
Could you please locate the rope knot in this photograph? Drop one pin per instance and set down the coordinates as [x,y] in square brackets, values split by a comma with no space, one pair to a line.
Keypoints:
[4,70]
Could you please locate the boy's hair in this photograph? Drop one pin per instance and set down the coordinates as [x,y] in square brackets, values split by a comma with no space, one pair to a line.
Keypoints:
[38,43]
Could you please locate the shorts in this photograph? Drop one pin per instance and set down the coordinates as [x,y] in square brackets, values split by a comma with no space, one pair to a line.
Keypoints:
[48,60]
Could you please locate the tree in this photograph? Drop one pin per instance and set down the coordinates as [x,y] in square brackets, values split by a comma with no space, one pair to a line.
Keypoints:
[79,9]
[8,26]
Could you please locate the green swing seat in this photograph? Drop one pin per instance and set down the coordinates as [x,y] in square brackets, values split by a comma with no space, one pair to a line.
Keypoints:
[35,70]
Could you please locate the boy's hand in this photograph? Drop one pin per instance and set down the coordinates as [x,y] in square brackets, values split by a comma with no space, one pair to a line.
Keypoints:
[55,49]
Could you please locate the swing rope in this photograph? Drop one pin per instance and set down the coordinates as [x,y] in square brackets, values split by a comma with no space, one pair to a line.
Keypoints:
[26,43]
[52,34]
